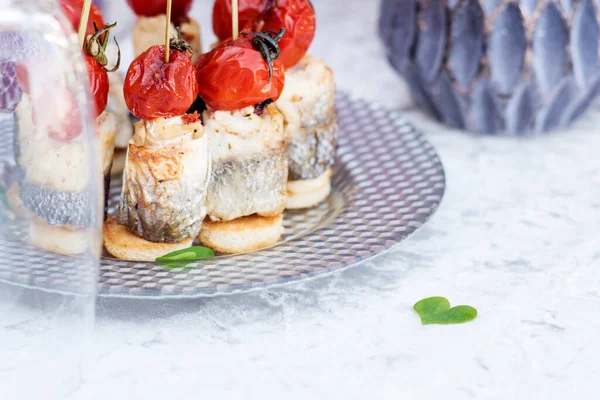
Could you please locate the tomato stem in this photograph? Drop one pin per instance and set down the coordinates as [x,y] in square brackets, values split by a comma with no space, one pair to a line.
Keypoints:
[100,42]
[267,44]
[180,44]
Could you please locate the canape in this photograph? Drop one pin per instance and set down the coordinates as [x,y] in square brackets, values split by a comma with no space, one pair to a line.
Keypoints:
[167,169]
[53,157]
[308,100]
[239,80]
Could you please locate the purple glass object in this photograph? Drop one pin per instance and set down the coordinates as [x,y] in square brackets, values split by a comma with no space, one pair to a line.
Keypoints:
[16,46]
[497,66]
[10,91]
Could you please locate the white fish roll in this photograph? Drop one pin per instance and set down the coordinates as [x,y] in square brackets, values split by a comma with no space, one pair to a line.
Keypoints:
[55,174]
[165,180]
[250,166]
[308,105]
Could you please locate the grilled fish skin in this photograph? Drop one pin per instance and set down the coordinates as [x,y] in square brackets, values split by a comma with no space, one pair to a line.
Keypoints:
[59,208]
[165,180]
[313,152]
[254,185]
[250,165]
[308,104]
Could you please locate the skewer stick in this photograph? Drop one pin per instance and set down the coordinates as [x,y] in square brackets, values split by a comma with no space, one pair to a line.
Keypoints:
[234,19]
[83,22]
[168,32]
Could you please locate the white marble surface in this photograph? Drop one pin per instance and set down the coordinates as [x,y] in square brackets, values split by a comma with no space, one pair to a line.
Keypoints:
[516,237]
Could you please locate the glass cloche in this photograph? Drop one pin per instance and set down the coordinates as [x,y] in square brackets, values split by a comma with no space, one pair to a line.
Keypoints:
[55,151]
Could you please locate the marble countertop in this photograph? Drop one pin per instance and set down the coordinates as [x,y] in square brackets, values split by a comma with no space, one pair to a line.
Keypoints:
[516,236]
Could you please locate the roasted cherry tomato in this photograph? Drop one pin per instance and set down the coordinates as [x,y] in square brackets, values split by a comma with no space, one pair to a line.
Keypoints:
[55,109]
[154,88]
[23,77]
[248,12]
[72,9]
[56,113]
[40,76]
[98,77]
[235,75]
[96,61]
[297,17]
[152,8]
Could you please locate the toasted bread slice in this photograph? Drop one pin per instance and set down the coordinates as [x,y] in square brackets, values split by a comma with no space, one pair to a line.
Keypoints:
[242,235]
[59,239]
[308,193]
[121,243]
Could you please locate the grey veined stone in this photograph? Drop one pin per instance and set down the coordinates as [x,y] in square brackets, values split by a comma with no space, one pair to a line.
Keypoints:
[497,66]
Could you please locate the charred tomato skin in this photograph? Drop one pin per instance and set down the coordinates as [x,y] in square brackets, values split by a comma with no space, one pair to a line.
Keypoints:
[235,75]
[152,8]
[154,88]
[296,16]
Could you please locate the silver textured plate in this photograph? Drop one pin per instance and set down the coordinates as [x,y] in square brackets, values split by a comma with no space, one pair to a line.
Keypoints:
[388,181]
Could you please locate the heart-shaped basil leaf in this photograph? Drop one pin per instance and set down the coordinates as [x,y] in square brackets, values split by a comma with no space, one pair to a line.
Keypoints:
[437,310]
[189,254]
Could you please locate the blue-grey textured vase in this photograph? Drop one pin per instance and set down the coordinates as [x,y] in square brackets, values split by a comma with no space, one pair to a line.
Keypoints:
[496,66]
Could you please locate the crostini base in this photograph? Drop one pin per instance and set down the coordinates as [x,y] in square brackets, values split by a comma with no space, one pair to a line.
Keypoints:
[310,192]
[124,245]
[242,235]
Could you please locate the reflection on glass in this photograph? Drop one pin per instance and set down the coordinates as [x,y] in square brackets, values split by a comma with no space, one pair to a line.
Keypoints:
[51,177]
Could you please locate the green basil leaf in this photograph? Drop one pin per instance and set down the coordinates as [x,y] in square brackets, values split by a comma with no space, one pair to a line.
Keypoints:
[189,254]
[455,315]
[432,305]
[436,310]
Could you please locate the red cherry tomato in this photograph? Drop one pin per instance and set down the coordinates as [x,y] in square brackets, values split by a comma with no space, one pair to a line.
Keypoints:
[23,77]
[296,16]
[248,12]
[155,89]
[235,75]
[98,78]
[56,113]
[152,8]
[72,9]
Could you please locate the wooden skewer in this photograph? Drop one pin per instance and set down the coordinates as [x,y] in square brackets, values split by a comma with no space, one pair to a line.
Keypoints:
[168,32]
[234,19]
[83,22]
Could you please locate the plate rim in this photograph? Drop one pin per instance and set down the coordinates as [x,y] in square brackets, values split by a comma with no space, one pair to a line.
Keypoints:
[423,159]
[397,116]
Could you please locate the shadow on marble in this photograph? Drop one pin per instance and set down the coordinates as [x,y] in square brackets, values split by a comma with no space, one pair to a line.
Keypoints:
[381,275]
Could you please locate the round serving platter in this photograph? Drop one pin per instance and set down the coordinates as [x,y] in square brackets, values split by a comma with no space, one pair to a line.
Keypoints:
[387,182]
